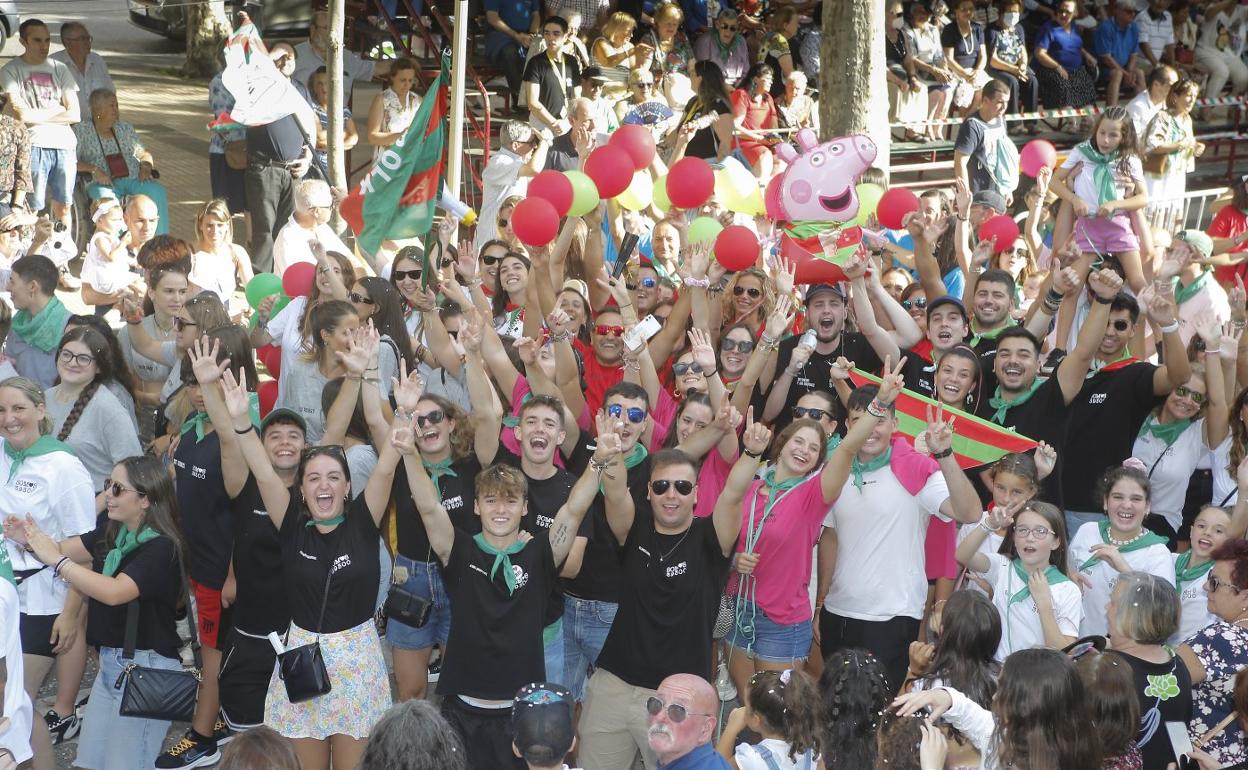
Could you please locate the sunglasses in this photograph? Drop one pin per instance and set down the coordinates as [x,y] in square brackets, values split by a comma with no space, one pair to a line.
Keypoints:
[812,413]
[333,450]
[680,369]
[1214,584]
[737,291]
[181,323]
[400,275]
[729,27]
[604,330]
[1185,392]
[433,418]
[488,259]
[635,413]
[684,489]
[911,304]
[502,222]
[115,488]
[1121,325]
[360,299]
[676,713]
[727,345]
[646,84]
[82,359]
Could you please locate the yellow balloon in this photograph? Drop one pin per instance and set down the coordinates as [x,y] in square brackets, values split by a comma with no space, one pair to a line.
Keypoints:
[640,192]
[752,204]
[725,190]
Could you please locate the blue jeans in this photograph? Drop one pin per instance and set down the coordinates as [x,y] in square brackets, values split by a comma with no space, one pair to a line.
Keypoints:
[1076,519]
[552,650]
[423,579]
[586,623]
[127,186]
[52,173]
[110,741]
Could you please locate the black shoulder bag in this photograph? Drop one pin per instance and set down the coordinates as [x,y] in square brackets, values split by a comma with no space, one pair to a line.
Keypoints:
[302,668]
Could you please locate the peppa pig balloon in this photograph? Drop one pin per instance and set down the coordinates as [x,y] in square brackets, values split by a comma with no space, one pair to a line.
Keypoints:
[819,181]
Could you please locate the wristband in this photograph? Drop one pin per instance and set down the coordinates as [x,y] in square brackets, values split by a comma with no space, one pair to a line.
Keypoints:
[877,410]
[698,283]
[755,455]
[942,455]
[1171,328]
[710,374]
[1102,300]
[1054,296]
[1213,352]
[244,431]
[56,571]
[983,524]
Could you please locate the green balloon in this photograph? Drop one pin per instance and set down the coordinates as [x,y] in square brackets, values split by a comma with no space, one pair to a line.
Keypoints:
[661,201]
[704,229]
[868,201]
[584,194]
[261,286]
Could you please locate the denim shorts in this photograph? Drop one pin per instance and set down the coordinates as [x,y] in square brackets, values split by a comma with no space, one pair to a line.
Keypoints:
[424,579]
[766,640]
[110,741]
[52,171]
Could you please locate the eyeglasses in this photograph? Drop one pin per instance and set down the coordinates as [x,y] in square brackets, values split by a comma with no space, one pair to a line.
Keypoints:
[910,304]
[635,413]
[1214,584]
[727,346]
[433,418]
[603,330]
[115,488]
[728,27]
[737,291]
[360,299]
[814,414]
[1039,533]
[489,259]
[1121,325]
[1185,392]
[680,369]
[399,275]
[181,323]
[675,712]
[82,359]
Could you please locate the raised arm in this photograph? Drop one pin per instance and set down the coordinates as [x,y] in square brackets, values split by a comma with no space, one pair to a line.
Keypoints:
[836,471]
[781,318]
[487,414]
[1221,346]
[355,360]
[620,510]
[727,514]
[1164,313]
[968,554]
[273,492]
[1074,367]
[963,503]
[437,521]
[883,343]
[208,371]
[567,375]
[604,468]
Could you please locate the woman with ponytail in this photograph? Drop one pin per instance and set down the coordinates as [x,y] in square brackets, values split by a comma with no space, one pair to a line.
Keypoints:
[783,708]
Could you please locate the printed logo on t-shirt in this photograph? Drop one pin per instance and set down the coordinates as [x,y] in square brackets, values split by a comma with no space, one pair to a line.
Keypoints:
[544,522]
[454,503]
[1097,398]
[198,472]
[520,575]
[341,563]
[677,569]
[26,486]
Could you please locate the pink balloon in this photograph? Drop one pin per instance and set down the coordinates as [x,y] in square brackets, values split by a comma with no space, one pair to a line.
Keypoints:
[736,248]
[554,187]
[690,182]
[1003,228]
[1035,155]
[637,141]
[894,205]
[611,168]
[297,280]
[535,221]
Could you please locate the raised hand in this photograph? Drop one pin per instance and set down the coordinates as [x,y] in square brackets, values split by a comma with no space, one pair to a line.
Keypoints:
[1046,460]
[527,348]
[355,358]
[203,355]
[614,286]
[913,703]
[939,433]
[403,435]
[703,353]
[727,418]
[1162,309]
[1040,592]
[407,388]
[962,197]
[1238,299]
[471,331]
[466,261]
[934,747]
[1173,263]
[560,324]
[607,447]
[234,393]
[1210,331]
[781,317]
[892,382]
[757,436]
[841,368]
[785,276]
[983,252]
[1066,281]
[857,266]
[921,655]
[1106,283]
[1000,517]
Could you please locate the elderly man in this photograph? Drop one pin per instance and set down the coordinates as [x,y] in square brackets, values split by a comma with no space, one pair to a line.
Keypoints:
[521,156]
[88,68]
[567,150]
[44,95]
[682,724]
[310,222]
[1152,100]
[142,218]
[310,55]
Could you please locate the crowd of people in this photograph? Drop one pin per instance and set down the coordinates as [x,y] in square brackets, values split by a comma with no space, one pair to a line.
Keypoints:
[609,507]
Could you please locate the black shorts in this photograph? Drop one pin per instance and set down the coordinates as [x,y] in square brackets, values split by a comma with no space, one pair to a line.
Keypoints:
[227,182]
[36,633]
[486,734]
[246,667]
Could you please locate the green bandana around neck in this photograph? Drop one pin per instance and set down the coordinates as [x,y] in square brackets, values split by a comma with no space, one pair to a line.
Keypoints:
[512,420]
[834,440]
[1002,407]
[502,558]
[1102,171]
[1097,366]
[1183,573]
[1184,293]
[1168,432]
[636,455]
[42,446]
[437,470]
[200,421]
[127,541]
[1052,576]
[991,334]
[43,331]
[1148,538]
[6,566]
[335,521]
[861,469]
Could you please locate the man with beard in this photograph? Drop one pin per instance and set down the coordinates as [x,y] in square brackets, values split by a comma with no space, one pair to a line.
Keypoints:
[682,724]
[991,304]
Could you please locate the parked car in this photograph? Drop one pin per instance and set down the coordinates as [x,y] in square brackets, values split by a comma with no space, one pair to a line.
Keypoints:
[273,18]
[9,20]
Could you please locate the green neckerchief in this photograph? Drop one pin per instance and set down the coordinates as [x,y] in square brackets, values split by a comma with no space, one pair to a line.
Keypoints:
[834,440]
[6,567]
[809,228]
[437,470]
[1168,432]
[502,558]
[1102,171]
[44,330]
[42,446]
[200,420]
[311,522]
[635,456]
[127,541]
[1185,574]
[998,402]
[512,420]
[991,334]
[1052,576]
[725,50]
[1148,538]
[776,490]
[1184,293]
[860,469]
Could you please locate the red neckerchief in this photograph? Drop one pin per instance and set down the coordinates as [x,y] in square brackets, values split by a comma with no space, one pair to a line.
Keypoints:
[1119,364]
[511,306]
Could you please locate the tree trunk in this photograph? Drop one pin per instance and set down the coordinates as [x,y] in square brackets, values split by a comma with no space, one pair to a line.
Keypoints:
[853,92]
[207,28]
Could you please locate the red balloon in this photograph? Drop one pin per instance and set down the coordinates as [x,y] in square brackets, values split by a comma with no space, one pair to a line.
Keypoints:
[690,182]
[637,141]
[535,221]
[1003,228]
[1035,155]
[272,358]
[297,280]
[267,391]
[736,248]
[611,168]
[554,187]
[894,205]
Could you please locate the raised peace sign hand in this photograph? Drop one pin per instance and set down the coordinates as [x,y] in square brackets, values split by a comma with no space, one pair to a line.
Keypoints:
[757,436]
[939,433]
[892,382]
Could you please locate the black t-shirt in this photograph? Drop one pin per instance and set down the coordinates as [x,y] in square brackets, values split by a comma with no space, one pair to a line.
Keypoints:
[601,572]
[546,497]
[817,373]
[555,82]
[153,567]
[1043,417]
[495,643]
[919,374]
[282,140]
[261,604]
[204,507]
[1105,419]
[703,143]
[458,498]
[1156,750]
[307,556]
[562,155]
[668,603]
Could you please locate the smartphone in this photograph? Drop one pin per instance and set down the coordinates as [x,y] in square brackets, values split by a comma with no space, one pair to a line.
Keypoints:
[628,244]
[808,339]
[1180,741]
[642,332]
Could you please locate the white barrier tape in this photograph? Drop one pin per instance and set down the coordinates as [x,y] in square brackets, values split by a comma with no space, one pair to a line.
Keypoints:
[1071,112]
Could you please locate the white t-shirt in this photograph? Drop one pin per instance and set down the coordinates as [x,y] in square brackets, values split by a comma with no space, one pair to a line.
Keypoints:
[217,274]
[748,757]
[15,704]
[1210,300]
[880,534]
[1020,621]
[39,88]
[1169,474]
[1194,611]
[1225,490]
[1234,22]
[102,274]
[284,329]
[990,545]
[291,244]
[1085,186]
[56,490]
[1142,109]
[1155,560]
[500,179]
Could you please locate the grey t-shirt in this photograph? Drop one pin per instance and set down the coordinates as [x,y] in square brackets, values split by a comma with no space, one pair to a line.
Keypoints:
[302,384]
[31,362]
[102,436]
[145,368]
[361,459]
[979,140]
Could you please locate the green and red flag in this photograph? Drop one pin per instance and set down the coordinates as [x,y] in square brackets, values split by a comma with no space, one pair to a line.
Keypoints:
[976,441]
[398,196]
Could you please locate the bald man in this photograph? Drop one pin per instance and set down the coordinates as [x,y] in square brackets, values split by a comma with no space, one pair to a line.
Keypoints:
[142,219]
[682,724]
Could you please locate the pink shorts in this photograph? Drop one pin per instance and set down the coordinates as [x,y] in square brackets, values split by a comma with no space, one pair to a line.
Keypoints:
[1106,236]
[942,541]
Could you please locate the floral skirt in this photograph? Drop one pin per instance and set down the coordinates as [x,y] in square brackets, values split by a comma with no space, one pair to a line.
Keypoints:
[359,687]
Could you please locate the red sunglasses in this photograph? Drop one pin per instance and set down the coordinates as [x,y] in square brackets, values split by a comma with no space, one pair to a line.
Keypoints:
[614,331]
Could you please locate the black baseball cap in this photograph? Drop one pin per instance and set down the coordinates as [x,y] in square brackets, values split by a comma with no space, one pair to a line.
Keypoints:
[283,414]
[946,299]
[990,198]
[593,73]
[816,289]
[542,725]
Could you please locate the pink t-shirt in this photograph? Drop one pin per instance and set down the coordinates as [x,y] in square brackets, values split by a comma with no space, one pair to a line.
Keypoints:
[663,414]
[939,549]
[784,548]
[712,478]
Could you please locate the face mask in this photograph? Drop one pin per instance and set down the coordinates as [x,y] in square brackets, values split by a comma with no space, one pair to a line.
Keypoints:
[899,23]
[1010,19]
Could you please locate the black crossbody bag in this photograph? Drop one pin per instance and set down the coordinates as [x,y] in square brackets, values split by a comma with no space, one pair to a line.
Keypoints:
[406,607]
[302,669]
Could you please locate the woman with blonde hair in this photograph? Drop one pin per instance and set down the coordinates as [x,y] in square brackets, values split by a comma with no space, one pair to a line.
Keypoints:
[748,299]
[218,264]
[614,52]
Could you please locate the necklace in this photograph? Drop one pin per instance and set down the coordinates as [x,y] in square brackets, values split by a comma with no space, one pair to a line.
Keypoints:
[164,332]
[663,556]
[1121,543]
